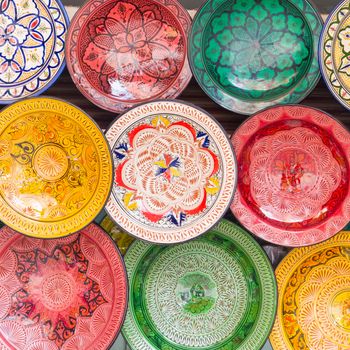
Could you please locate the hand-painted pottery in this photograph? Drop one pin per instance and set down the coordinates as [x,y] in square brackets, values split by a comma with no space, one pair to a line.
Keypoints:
[175,172]
[122,53]
[215,292]
[314,297]
[122,239]
[251,54]
[56,170]
[334,53]
[67,293]
[32,34]
[293,185]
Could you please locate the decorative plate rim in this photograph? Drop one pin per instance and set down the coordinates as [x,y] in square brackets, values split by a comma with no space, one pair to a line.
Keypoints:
[42,225]
[7,232]
[112,207]
[119,106]
[321,56]
[283,272]
[226,100]
[39,92]
[265,273]
[326,229]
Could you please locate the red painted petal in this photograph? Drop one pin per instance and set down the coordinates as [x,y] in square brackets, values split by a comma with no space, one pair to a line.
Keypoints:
[34,24]
[36,36]
[152,28]
[4,5]
[133,133]
[15,66]
[135,20]
[104,42]
[201,206]
[118,176]
[152,217]
[188,126]
[4,67]
[215,159]
[114,27]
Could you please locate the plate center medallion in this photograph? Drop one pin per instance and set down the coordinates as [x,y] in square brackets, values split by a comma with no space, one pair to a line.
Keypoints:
[293,171]
[333,310]
[51,162]
[196,293]
[58,291]
[340,309]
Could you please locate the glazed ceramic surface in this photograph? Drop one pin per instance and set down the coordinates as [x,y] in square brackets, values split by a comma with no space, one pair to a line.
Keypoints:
[215,292]
[250,54]
[334,53]
[293,186]
[121,53]
[32,34]
[175,172]
[314,297]
[122,239]
[56,170]
[68,293]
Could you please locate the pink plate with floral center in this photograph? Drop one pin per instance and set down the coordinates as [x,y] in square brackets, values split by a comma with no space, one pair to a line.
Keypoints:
[68,293]
[293,184]
[175,172]
[121,53]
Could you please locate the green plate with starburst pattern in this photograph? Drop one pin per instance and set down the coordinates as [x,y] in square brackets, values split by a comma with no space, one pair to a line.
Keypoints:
[215,292]
[251,54]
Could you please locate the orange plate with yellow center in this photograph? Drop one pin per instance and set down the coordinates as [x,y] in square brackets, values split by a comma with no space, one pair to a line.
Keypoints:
[56,170]
[314,297]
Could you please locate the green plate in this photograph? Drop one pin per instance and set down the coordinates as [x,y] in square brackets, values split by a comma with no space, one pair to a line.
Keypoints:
[215,292]
[250,54]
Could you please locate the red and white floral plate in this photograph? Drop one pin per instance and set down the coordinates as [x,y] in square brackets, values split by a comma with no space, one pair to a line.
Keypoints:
[121,53]
[293,183]
[175,172]
[67,293]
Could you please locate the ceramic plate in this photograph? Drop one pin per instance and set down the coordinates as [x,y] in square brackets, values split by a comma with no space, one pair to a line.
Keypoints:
[293,185]
[121,53]
[56,169]
[122,239]
[334,53]
[60,293]
[32,34]
[215,292]
[314,297]
[175,172]
[251,54]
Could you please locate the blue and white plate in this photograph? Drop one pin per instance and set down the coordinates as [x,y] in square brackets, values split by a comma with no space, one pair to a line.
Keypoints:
[32,34]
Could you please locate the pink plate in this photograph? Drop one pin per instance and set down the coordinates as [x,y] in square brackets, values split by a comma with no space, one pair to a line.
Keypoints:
[121,53]
[293,175]
[67,293]
[175,172]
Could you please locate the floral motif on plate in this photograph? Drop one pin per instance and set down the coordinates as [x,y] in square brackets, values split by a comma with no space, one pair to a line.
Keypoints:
[62,293]
[170,172]
[32,37]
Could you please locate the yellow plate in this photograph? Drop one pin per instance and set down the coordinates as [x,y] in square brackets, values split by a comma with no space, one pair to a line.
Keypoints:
[56,169]
[314,297]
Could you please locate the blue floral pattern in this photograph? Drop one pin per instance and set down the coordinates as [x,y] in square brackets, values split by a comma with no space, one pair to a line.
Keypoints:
[31,46]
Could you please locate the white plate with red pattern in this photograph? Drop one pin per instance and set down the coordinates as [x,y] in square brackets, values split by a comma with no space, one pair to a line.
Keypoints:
[293,186]
[175,172]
